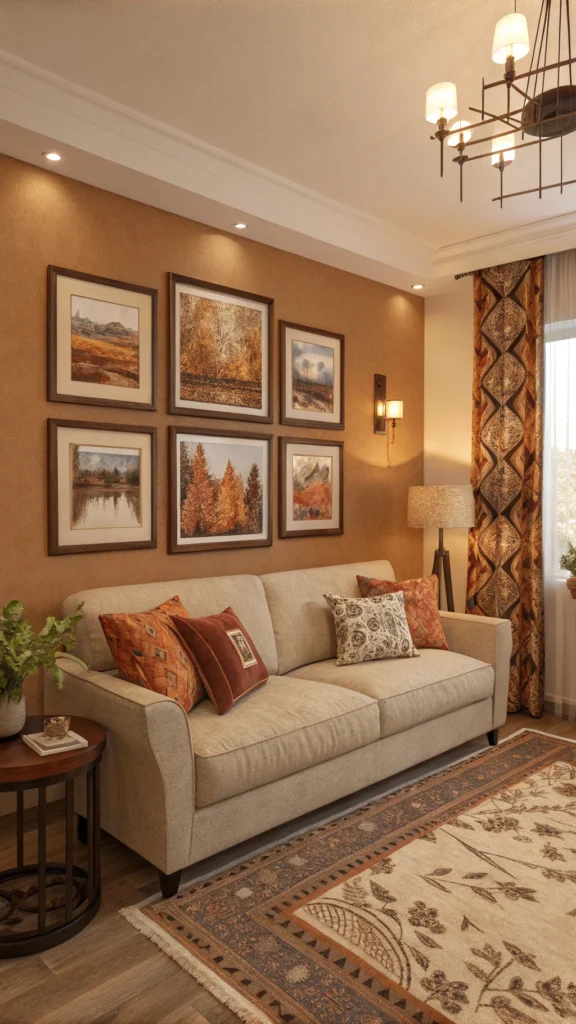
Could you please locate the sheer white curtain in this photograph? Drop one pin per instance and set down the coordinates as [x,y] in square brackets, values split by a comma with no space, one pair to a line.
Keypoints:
[559,483]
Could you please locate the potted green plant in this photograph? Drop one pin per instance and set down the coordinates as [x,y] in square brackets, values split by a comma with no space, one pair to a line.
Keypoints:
[568,562]
[23,652]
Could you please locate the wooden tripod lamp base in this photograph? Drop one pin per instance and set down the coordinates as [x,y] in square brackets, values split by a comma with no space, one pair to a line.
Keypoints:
[441,568]
[440,507]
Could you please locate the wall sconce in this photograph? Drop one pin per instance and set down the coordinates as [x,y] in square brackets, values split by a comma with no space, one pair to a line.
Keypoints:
[385,411]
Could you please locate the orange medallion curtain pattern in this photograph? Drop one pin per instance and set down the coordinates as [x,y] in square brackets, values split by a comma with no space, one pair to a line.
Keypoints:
[505,548]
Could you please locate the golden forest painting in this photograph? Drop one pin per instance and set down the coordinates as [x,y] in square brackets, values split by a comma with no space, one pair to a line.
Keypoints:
[220,352]
[222,488]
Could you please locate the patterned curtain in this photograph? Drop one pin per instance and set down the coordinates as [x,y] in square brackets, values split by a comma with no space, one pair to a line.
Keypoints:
[505,549]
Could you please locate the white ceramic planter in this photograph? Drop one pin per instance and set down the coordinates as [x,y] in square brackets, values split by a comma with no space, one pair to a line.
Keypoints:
[12,716]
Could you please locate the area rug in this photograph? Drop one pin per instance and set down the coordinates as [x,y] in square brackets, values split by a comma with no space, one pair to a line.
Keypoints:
[451,900]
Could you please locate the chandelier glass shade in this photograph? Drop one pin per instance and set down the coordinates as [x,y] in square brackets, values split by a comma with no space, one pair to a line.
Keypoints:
[536,105]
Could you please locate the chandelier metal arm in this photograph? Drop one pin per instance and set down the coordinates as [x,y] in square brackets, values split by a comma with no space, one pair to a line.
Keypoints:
[506,118]
[529,191]
[533,72]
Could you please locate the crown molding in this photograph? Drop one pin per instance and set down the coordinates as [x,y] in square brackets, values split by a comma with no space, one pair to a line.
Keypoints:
[69,114]
[122,150]
[539,238]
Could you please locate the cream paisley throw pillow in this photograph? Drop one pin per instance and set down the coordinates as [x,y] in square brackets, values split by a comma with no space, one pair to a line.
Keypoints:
[370,628]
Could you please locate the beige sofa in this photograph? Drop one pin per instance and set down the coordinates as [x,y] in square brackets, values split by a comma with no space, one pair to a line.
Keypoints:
[178,788]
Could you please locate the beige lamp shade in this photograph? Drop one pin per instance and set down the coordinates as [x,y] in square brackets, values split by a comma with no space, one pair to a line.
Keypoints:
[510,38]
[441,102]
[442,507]
[394,410]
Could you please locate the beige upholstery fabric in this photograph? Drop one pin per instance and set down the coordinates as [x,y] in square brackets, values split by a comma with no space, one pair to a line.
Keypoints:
[303,624]
[232,821]
[293,751]
[208,596]
[285,726]
[489,640]
[147,767]
[411,690]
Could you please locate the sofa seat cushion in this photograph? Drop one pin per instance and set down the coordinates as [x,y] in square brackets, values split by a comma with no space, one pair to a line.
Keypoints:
[285,726]
[411,691]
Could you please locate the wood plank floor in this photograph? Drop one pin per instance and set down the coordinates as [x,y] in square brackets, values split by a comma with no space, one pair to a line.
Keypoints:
[110,974]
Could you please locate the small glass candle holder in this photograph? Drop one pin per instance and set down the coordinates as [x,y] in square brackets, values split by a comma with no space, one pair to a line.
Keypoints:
[55,728]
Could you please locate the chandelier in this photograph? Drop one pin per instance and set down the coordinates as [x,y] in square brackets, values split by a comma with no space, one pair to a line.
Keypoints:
[540,104]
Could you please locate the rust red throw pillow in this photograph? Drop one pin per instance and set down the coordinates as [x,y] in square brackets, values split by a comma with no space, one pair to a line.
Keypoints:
[225,656]
[148,651]
[421,604]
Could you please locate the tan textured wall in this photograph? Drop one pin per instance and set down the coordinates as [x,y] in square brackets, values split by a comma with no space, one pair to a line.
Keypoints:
[449,333]
[46,218]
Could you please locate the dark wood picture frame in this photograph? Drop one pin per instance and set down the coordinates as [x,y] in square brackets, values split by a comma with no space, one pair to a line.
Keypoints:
[286,385]
[54,546]
[52,367]
[235,413]
[176,548]
[284,532]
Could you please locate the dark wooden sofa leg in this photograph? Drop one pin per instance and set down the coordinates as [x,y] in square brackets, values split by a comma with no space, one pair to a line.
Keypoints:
[169,883]
[82,830]
[493,737]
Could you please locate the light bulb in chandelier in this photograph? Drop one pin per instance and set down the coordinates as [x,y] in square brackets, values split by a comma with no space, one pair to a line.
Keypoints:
[464,133]
[503,151]
[510,38]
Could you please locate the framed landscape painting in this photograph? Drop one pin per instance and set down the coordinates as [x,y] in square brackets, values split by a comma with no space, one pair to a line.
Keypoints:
[101,341]
[101,487]
[311,377]
[221,351]
[220,490]
[311,487]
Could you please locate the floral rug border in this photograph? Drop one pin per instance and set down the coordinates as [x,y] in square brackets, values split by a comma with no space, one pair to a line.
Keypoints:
[403,1009]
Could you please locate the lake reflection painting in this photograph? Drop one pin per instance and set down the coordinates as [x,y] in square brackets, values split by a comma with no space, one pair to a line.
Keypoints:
[105,487]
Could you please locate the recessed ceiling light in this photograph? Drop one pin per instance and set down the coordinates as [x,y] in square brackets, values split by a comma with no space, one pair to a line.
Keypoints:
[417,287]
[54,157]
[241,226]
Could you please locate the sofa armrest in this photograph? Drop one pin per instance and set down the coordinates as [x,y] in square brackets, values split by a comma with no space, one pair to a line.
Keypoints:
[147,767]
[488,640]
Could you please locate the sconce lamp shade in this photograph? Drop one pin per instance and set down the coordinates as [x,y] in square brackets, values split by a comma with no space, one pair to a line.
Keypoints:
[510,38]
[441,102]
[394,410]
[442,507]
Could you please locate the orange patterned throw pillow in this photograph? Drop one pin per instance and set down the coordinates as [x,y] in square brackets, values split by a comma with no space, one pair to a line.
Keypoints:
[421,604]
[148,651]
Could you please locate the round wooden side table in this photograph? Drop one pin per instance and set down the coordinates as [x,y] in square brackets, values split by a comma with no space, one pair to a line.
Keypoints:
[61,898]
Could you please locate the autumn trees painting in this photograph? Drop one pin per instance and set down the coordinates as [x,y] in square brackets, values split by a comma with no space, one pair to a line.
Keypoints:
[221,350]
[222,489]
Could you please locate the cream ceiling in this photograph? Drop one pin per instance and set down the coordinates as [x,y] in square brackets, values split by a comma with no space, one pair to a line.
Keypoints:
[326,93]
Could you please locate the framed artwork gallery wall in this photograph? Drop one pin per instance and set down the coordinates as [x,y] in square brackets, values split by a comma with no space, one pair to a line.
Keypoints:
[52,221]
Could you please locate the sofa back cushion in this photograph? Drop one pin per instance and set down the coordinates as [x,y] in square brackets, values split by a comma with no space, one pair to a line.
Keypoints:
[303,624]
[200,597]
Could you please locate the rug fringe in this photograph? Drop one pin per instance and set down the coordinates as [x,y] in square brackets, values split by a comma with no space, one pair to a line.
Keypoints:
[224,993]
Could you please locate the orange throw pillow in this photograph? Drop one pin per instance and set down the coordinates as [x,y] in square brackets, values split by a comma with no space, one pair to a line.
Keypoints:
[224,655]
[148,651]
[421,604]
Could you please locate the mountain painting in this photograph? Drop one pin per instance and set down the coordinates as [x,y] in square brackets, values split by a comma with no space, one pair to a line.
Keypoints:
[312,482]
[105,342]
[105,487]
[312,377]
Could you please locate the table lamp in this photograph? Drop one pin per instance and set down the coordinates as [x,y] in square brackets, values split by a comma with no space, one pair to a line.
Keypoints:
[442,507]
